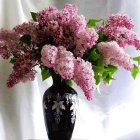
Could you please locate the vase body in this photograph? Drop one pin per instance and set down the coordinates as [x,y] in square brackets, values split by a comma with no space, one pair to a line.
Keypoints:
[59,107]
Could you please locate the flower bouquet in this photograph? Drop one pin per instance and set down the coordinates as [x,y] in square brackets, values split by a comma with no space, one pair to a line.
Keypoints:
[64,43]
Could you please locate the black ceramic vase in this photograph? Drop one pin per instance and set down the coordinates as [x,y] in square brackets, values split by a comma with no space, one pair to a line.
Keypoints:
[60,105]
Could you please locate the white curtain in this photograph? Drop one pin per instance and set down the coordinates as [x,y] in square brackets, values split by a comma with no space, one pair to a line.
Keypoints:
[112,115]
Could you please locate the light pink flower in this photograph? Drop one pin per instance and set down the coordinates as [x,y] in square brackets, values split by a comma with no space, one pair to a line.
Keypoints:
[112,53]
[49,54]
[84,77]
[77,23]
[64,64]
[71,8]
[87,37]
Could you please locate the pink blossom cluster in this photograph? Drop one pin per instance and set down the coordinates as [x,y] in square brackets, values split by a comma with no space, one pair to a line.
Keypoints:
[120,20]
[49,54]
[84,77]
[89,36]
[119,27]
[66,28]
[22,71]
[9,43]
[56,27]
[58,58]
[30,28]
[58,39]
[112,53]
[24,57]
[64,63]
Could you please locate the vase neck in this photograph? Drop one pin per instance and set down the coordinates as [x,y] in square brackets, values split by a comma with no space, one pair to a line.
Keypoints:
[56,79]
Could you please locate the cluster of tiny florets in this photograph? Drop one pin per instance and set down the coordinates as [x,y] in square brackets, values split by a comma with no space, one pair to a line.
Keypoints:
[61,41]
[119,27]
[111,52]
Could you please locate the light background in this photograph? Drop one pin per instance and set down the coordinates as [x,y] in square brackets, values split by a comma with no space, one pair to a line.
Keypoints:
[113,115]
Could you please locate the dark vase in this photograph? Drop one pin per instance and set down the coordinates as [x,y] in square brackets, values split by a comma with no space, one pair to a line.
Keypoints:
[59,105]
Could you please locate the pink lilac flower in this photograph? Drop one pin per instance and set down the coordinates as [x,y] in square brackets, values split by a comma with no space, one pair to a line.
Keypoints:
[51,27]
[7,35]
[71,8]
[46,15]
[22,71]
[66,28]
[84,77]
[112,53]
[86,39]
[9,42]
[119,27]
[120,20]
[137,44]
[77,23]
[65,38]
[63,17]
[4,53]
[80,50]
[48,55]
[30,28]
[64,64]
[129,38]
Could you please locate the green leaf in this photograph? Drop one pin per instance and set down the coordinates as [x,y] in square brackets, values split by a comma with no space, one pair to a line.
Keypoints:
[102,37]
[98,69]
[34,15]
[94,55]
[137,59]
[26,39]
[100,63]
[45,73]
[104,75]
[98,79]
[112,69]
[92,22]
[135,71]
[69,82]
[108,77]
